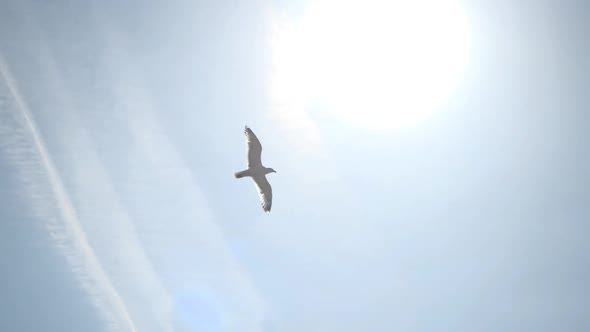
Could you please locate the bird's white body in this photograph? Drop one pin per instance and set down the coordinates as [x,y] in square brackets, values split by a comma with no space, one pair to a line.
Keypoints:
[256,170]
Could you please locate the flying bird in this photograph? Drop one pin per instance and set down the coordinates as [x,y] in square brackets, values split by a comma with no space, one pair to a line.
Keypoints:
[255,169]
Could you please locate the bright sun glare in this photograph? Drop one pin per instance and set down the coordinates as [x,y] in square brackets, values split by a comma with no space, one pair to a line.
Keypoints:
[377,63]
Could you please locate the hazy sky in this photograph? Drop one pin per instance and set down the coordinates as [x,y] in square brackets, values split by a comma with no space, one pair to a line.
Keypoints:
[121,126]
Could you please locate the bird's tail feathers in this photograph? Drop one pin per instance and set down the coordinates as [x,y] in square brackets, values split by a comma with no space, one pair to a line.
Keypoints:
[240,174]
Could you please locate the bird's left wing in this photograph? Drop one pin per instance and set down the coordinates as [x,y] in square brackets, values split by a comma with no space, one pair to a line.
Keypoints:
[254,149]
[265,192]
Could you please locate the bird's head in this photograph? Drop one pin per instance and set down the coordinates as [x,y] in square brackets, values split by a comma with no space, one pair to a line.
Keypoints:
[270,170]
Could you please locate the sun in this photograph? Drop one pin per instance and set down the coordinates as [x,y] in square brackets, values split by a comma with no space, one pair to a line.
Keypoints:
[376,63]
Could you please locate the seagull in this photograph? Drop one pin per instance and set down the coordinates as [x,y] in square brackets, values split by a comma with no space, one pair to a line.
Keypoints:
[256,171]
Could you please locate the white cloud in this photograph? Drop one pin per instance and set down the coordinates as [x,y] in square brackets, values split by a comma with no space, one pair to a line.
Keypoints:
[287,91]
[66,228]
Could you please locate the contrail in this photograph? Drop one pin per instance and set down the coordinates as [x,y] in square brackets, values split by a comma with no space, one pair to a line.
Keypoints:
[113,306]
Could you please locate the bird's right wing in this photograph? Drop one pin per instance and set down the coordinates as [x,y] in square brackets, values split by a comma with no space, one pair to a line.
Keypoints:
[254,149]
[264,191]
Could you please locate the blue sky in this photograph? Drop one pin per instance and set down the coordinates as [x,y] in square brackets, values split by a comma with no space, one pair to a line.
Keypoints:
[121,127]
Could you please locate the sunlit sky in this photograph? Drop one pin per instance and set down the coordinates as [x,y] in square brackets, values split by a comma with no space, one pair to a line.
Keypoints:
[432,166]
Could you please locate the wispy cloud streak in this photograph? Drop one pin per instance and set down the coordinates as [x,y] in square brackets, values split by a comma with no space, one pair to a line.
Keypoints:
[100,209]
[191,250]
[67,229]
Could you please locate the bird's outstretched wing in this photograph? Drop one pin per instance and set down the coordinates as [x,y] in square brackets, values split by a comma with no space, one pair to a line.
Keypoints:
[265,192]
[254,149]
